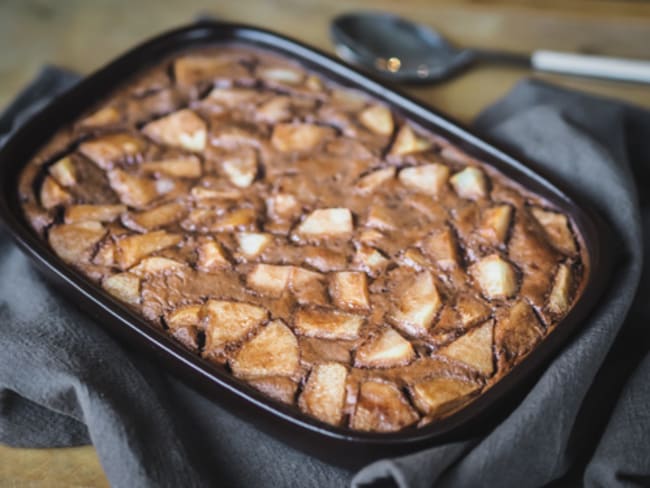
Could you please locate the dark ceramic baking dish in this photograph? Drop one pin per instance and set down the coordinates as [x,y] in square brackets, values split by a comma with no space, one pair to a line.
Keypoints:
[337,445]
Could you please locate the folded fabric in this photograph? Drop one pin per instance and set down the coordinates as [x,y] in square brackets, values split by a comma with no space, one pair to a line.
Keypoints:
[64,381]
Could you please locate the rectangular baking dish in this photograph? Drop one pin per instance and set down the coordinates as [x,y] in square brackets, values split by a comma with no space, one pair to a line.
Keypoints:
[333,444]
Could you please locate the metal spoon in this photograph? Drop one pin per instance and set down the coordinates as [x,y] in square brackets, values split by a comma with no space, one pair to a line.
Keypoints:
[405,52]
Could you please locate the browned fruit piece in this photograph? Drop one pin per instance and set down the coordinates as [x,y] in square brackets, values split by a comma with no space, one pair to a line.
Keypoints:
[251,244]
[100,213]
[269,279]
[413,258]
[181,167]
[327,324]
[232,97]
[133,190]
[182,129]
[155,265]
[382,217]
[373,180]
[110,148]
[241,167]
[132,248]
[191,70]
[281,75]
[385,350]
[416,304]
[316,351]
[495,276]
[557,228]
[517,331]
[211,257]
[124,287]
[272,352]
[438,396]
[326,222]
[299,137]
[154,218]
[282,206]
[74,243]
[349,290]
[441,247]
[495,224]
[238,219]
[472,310]
[378,119]
[382,407]
[428,178]
[187,316]
[227,322]
[279,388]
[349,100]
[277,109]
[407,142]
[103,116]
[371,260]
[559,299]
[470,183]
[63,171]
[52,194]
[324,394]
[308,286]
[474,348]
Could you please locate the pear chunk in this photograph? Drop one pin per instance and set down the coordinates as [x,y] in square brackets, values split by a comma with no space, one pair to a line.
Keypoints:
[182,167]
[299,137]
[374,179]
[438,396]
[155,264]
[495,276]
[386,350]
[428,178]
[349,290]
[282,75]
[131,249]
[417,303]
[517,331]
[324,394]
[241,167]
[371,260]
[227,322]
[52,194]
[106,150]
[309,287]
[64,172]
[378,119]
[326,222]
[470,183]
[133,190]
[187,316]
[182,129]
[74,243]
[474,349]
[191,70]
[154,218]
[211,257]
[279,388]
[559,299]
[413,258]
[556,226]
[327,324]
[495,224]
[382,217]
[100,213]
[269,279]
[441,247]
[407,142]
[382,407]
[251,244]
[272,352]
[124,287]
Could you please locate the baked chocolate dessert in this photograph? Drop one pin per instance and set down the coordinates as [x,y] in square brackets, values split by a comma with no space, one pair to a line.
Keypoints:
[318,246]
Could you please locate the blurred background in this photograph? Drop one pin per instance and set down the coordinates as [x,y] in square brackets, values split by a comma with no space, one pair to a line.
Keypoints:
[82,35]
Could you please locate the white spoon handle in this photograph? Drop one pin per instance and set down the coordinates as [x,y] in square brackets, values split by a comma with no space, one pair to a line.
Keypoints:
[588,65]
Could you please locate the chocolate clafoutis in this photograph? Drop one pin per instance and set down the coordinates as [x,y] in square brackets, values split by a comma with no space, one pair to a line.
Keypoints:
[305,237]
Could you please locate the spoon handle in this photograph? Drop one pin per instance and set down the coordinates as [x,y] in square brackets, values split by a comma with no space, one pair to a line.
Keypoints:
[594,66]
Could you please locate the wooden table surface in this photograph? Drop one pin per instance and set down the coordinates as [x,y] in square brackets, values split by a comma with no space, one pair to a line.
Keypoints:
[83,35]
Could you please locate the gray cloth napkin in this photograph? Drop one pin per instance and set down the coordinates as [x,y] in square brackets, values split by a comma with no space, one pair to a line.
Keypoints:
[64,381]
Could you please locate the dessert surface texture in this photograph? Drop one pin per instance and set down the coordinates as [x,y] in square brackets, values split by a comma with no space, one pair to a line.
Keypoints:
[305,237]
